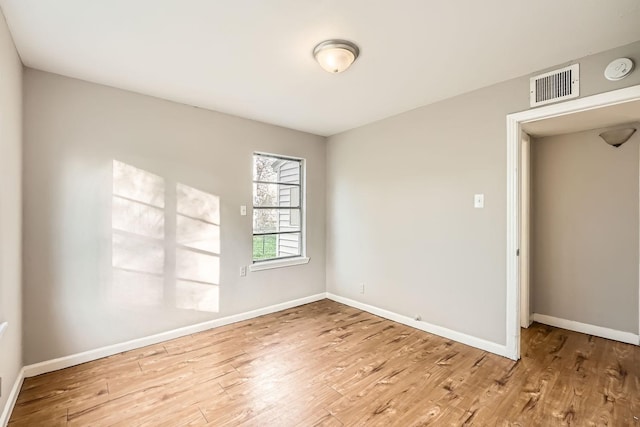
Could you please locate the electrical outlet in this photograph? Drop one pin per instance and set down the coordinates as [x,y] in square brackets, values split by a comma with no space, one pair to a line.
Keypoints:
[362,288]
[243,271]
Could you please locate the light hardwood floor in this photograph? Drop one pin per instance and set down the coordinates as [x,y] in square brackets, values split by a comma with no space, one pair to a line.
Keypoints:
[329,364]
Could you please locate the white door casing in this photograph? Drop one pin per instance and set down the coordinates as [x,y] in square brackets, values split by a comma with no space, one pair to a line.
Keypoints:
[514,142]
[525,229]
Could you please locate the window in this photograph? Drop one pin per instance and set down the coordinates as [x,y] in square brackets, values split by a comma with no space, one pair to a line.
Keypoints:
[278,208]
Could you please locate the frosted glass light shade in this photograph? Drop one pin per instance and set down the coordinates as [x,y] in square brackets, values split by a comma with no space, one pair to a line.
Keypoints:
[617,137]
[335,56]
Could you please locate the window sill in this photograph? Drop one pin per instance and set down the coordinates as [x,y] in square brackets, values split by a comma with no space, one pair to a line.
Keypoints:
[267,265]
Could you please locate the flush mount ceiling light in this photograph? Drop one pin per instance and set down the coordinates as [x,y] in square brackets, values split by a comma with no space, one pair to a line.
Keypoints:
[335,56]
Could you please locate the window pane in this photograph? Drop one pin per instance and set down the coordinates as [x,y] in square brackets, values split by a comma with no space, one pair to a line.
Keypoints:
[276,220]
[288,245]
[276,195]
[272,246]
[264,247]
[276,170]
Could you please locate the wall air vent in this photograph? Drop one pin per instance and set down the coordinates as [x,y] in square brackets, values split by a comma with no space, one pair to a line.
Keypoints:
[555,86]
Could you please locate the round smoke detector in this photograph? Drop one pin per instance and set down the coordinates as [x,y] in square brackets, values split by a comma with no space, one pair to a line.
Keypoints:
[618,69]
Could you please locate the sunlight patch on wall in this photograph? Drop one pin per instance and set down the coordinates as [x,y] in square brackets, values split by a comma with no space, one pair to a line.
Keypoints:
[198,252]
[137,254]
[144,240]
[137,218]
[197,296]
[137,184]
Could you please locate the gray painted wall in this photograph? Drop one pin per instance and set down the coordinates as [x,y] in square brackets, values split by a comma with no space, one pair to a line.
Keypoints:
[400,205]
[584,264]
[73,132]
[400,216]
[10,210]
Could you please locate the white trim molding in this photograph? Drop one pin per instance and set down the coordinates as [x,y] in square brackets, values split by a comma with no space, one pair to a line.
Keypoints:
[3,327]
[88,356]
[278,263]
[11,401]
[472,341]
[585,328]
[514,131]
[525,227]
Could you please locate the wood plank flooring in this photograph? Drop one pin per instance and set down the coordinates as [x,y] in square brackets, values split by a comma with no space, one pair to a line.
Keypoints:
[326,364]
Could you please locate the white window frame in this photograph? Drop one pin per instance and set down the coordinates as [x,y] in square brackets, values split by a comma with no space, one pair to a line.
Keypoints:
[258,265]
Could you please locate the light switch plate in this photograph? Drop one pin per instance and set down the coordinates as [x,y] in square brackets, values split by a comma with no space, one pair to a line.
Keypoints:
[243,210]
[478,201]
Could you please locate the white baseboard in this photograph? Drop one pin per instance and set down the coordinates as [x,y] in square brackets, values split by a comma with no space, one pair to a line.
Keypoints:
[472,341]
[11,401]
[585,328]
[87,356]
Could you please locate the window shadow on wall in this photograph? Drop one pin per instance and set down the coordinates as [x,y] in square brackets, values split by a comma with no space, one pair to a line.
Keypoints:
[165,243]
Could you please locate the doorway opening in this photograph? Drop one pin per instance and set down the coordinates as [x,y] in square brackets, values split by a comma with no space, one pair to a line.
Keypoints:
[594,112]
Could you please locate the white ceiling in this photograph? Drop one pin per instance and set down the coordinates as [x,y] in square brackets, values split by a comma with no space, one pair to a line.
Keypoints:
[252,58]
